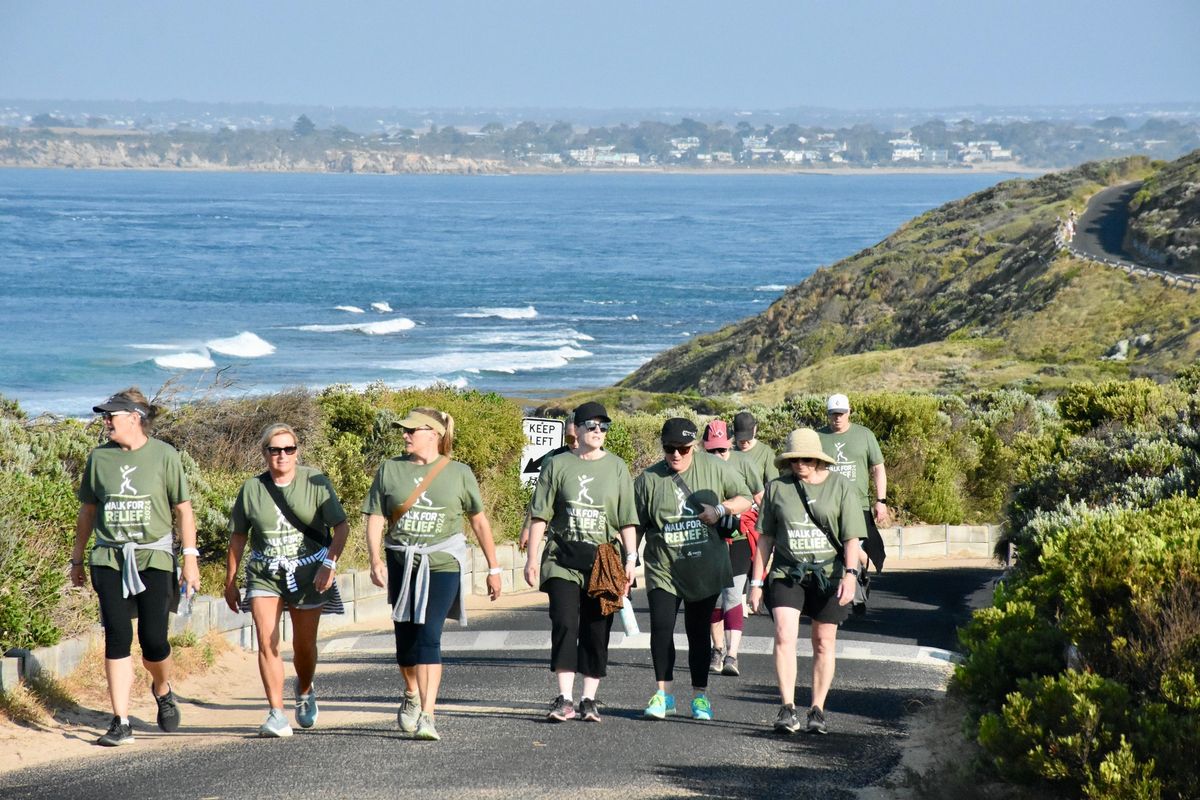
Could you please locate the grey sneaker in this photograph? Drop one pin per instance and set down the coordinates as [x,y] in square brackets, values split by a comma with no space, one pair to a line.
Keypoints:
[276,725]
[410,713]
[306,708]
[561,710]
[816,720]
[714,663]
[730,667]
[588,711]
[117,734]
[787,721]
[168,710]
[425,729]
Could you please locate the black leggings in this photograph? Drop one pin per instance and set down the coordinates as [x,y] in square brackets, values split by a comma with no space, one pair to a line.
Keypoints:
[664,608]
[578,631]
[151,605]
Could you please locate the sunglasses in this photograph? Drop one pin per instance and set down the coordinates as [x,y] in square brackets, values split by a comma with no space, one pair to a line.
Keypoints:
[275,451]
[596,425]
[718,450]
[809,461]
[680,450]
[411,431]
[110,415]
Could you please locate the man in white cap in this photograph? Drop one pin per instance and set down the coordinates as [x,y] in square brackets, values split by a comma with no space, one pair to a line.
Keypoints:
[857,456]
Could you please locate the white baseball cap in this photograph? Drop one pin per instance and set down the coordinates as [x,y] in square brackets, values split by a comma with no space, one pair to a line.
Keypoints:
[839,403]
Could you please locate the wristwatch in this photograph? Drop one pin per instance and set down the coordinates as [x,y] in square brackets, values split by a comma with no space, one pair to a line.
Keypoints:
[852,571]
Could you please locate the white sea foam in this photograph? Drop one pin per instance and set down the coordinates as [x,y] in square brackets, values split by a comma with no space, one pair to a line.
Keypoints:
[185,361]
[528,312]
[476,361]
[544,337]
[382,307]
[633,318]
[156,346]
[370,328]
[244,345]
[349,309]
[771,287]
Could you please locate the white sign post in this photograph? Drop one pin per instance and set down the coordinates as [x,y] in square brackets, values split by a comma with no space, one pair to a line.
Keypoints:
[541,436]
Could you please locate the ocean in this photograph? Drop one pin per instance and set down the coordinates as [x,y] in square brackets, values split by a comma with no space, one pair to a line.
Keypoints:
[525,285]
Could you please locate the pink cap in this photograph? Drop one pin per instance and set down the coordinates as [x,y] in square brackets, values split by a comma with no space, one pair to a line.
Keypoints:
[716,435]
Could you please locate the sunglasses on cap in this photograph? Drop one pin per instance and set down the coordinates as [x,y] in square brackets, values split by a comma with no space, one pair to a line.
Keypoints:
[596,425]
[677,449]
[289,449]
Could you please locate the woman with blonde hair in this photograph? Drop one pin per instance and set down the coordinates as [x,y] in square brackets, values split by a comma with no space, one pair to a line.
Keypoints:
[285,514]
[131,487]
[812,520]
[419,500]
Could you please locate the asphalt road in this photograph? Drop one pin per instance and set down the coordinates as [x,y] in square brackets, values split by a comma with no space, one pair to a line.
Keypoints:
[496,743]
[1101,229]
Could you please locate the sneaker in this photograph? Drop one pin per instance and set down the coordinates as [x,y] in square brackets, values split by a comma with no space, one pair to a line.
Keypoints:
[714,663]
[425,729]
[816,720]
[276,726]
[410,713]
[787,721]
[730,667]
[561,710]
[701,708]
[306,709]
[168,710]
[661,704]
[117,734]
[588,711]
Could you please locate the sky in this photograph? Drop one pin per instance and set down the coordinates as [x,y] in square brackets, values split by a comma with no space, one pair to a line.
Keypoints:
[844,54]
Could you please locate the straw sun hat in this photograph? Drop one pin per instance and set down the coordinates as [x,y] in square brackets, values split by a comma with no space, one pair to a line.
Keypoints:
[802,443]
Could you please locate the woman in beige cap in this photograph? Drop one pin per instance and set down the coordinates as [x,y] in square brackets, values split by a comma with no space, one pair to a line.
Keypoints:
[803,514]
[421,498]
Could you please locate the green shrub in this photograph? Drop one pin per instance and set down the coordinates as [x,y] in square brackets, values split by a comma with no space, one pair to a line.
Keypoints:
[1135,403]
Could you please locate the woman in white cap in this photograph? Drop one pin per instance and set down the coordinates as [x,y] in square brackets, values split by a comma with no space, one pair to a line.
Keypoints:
[679,502]
[585,497]
[812,521]
[131,486]
[421,499]
[285,514]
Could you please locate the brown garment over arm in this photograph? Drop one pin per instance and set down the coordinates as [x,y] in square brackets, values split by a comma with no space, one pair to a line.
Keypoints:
[607,582]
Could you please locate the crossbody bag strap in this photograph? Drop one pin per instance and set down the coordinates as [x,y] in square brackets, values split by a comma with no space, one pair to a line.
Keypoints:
[682,484]
[403,508]
[321,538]
[837,546]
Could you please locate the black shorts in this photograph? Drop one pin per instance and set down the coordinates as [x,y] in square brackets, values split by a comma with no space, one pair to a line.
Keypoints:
[809,600]
[739,556]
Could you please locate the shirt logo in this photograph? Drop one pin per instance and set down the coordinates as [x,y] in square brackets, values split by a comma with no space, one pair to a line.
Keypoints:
[584,480]
[684,509]
[840,457]
[423,500]
[127,489]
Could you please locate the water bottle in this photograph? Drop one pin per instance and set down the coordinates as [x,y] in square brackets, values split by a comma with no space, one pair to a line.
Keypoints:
[628,620]
[185,601]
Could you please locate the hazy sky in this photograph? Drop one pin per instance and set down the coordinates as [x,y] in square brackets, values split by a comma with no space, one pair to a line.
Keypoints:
[850,54]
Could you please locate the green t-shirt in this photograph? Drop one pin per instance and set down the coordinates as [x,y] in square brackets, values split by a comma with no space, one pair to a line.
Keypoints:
[134,492]
[855,452]
[439,511]
[588,500]
[683,555]
[312,500]
[797,538]
[754,481]
[762,461]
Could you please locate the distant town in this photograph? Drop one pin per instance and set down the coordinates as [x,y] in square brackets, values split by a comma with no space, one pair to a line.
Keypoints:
[192,136]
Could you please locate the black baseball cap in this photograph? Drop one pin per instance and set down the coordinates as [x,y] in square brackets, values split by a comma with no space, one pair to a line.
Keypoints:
[743,426]
[679,431]
[120,403]
[589,410]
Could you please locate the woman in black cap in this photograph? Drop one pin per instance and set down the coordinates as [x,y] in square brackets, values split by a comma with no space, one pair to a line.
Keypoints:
[131,488]
[803,515]
[585,496]
[421,500]
[679,503]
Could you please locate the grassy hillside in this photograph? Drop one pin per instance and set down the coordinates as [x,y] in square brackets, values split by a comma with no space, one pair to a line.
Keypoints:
[972,293]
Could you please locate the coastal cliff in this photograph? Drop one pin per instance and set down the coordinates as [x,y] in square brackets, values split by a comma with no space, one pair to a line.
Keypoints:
[1164,218]
[972,294]
[135,151]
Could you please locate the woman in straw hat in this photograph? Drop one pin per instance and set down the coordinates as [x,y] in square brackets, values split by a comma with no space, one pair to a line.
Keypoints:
[421,500]
[803,514]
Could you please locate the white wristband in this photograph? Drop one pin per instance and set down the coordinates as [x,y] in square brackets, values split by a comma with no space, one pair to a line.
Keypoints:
[495,570]
[190,551]
[631,558]
[756,584]
[720,509]
[329,564]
